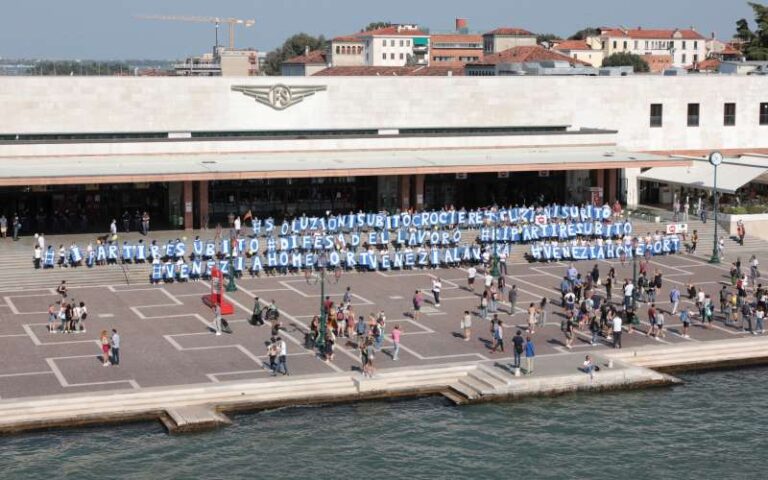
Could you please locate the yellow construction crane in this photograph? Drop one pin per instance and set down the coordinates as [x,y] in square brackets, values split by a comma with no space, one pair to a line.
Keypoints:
[232,22]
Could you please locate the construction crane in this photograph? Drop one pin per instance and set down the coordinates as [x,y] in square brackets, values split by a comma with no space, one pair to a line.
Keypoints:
[232,22]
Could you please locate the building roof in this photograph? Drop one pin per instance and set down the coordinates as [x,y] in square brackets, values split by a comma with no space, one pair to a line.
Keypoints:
[729,49]
[393,30]
[456,38]
[523,54]
[652,34]
[572,45]
[355,37]
[708,65]
[509,31]
[407,71]
[315,57]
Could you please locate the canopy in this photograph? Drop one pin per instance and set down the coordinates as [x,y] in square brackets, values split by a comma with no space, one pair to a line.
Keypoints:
[730,176]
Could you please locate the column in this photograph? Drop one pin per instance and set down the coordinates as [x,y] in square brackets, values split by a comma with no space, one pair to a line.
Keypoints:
[203,204]
[600,182]
[187,206]
[613,180]
[405,192]
[419,190]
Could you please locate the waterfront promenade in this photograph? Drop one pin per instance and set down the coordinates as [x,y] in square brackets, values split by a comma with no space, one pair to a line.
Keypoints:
[172,364]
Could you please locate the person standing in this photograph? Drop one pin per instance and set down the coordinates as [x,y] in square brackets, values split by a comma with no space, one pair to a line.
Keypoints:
[257,316]
[282,356]
[115,344]
[530,353]
[272,352]
[703,214]
[396,332]
[3,227]
[629,290]
[568,327]
[512,297]
[104,340]
[674,297]
[532,312]
[37,257]
[370,353]
[759,320]
[685,319]
[741,231]
[436,287]
[471,274]
[113,230]
[16,225]
[746,318]
[466,325]
[347,298]
[237,225]
[518,347]
[616,323]
[62,290]
[542,312]
[217,318]
[418,300]
[145,224]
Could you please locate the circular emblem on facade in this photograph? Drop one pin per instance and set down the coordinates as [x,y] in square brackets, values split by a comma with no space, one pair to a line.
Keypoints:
[280,97]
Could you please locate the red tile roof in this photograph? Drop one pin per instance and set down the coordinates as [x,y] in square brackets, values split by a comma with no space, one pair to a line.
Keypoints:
[708,65]
[533,53]
[455,38]
[355,37]
[730,50]
[408,71]
[652,34]
[314,57]
[572,45]
[393,30]
[516,32]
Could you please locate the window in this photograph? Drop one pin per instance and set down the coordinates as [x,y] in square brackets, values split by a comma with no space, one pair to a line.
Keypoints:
[384,43]
[401,56]
[391,43]
[637,45]
[392,56]
[615,44]
[729,114]
[684,45]
[338,49]
[402,43]
[695,45]
[625,44]
[695,58]
[693,114]
[764,114]
[646,44]
[656,114]
[407,43]
[383,56]
[684,57]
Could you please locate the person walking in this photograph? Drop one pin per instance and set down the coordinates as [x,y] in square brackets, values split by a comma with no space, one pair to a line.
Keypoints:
[498,336]
[542,312]
[466,325]
[746,318]
[532,312]
[115,345]
[741,231]
[436,287]
[396,332]
[257,316]
[272,352]
[568,326]
[685,319]
[484,305]
[217,318]
[594,329]
[518,347]
[104,340]
[512,297]
[759,320]
[530,353]
[62,290]
[370,353]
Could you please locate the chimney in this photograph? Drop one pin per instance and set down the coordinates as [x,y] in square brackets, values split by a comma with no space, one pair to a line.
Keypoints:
[306,51]
[693,27]
[462,26]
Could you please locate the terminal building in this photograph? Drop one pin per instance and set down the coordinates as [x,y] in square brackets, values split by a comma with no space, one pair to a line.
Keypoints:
[79,151]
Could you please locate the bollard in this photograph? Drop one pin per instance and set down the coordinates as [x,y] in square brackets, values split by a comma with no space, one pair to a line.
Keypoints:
[517,371]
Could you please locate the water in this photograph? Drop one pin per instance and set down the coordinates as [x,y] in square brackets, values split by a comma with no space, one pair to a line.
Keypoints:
[711,427]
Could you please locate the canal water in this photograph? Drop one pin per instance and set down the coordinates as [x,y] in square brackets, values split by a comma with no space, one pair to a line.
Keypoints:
[714,426]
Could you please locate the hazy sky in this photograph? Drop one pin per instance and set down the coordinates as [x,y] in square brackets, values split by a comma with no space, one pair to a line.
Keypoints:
[106,29]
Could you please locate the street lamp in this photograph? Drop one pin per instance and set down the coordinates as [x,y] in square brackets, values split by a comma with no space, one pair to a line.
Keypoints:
[322,262]
[634,274]
[715,158]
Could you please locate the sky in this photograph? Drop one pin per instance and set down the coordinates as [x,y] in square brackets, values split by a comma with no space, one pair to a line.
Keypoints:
[107,29]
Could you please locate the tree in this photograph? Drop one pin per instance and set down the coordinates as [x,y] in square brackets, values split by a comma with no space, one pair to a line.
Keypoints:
[623,59]
[584,33]
[550,38]
[293,47]
[755,43]
[377,25]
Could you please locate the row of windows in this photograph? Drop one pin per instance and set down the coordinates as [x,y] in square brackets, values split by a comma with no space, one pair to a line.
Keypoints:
[453,59]
[694,114]
[392,56]
[403,43]
[655,45]
[348,50]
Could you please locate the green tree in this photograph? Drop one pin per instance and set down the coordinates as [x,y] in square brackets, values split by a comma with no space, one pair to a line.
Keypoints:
[294,46]
[550,38]
[624,59]
[584,33]
[755,43]
[377,25]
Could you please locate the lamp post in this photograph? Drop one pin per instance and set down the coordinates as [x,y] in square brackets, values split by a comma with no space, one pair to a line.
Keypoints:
[322,261]
[634,274]
[715,158]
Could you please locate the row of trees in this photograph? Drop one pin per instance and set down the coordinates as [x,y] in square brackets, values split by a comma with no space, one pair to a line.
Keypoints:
[755,43]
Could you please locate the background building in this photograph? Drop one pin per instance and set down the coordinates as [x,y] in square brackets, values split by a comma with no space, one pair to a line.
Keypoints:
[683,47]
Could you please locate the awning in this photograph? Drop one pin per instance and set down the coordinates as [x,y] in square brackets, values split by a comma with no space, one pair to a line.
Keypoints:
[731,176]
[307,164]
